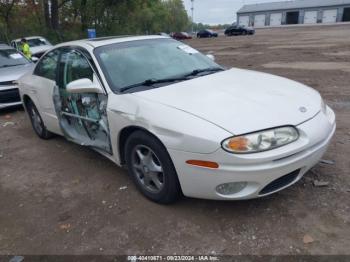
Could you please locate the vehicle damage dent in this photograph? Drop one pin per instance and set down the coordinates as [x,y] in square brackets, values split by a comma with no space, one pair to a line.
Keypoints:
[83,118]
[165,123]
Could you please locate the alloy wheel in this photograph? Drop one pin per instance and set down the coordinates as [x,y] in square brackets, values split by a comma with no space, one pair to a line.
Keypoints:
[148,168]
[36,120]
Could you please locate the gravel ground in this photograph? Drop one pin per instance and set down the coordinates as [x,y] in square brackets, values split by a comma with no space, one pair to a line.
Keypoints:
[60,198]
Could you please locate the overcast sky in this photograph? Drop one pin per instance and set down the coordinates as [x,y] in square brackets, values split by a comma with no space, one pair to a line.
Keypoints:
[218,11]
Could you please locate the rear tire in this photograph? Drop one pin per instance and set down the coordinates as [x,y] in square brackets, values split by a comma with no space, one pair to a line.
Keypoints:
[151,168]
[37,122]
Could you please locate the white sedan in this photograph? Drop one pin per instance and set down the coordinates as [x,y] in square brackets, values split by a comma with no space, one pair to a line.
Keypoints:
[38,45]
[178,121]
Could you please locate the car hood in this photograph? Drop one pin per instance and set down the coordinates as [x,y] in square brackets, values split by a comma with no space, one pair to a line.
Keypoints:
[14,72]
[240,101]
[40,49]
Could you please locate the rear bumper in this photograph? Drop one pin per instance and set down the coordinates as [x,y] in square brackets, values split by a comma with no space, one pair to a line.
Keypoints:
[9,97]
[263,173]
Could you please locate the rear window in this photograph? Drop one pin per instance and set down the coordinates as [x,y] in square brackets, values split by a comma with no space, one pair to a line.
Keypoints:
[11,57]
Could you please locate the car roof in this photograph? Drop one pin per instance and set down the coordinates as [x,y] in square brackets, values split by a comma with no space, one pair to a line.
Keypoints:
[102,41]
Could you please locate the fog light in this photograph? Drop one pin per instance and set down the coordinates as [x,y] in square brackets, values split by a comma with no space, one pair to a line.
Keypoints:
[230,188]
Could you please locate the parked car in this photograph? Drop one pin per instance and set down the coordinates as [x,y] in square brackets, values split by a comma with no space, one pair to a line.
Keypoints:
[239,30]
[206,34]
[177,120]
[38,45]
[12,66]
[181,36]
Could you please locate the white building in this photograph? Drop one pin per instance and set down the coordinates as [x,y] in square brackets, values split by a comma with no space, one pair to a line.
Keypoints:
[294,12]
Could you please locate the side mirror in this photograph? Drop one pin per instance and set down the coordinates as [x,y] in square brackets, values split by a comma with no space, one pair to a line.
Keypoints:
[35,59]
[210,56]
[83,85]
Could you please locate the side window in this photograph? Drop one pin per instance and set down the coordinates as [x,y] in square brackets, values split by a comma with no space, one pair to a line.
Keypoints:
[47,67]
[75,67]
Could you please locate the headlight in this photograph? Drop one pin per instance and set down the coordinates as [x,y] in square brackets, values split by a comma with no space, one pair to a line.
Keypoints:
[261,141]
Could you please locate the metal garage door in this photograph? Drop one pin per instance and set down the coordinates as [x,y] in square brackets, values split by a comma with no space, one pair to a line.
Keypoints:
[244,20]
[275,19]
[330,16]
[310,17]
[259,21]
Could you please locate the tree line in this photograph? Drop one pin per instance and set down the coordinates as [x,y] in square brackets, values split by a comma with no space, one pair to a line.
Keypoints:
[63,20]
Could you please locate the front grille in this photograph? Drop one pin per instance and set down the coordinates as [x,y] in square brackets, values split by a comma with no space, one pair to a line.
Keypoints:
[9,96]
[280,182]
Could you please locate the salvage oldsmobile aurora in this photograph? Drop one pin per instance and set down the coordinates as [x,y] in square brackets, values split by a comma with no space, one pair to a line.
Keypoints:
[179,122]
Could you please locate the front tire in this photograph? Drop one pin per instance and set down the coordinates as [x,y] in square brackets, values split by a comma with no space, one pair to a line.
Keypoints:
[37,121]
[151,168]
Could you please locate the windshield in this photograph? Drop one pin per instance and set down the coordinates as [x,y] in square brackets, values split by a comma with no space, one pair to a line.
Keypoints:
[130,63]
[36,42]
[11,57]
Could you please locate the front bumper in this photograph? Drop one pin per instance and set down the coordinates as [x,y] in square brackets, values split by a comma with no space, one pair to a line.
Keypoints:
[264,173]
[9,96]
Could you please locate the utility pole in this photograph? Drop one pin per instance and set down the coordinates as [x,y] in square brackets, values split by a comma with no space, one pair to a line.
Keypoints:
[192,10]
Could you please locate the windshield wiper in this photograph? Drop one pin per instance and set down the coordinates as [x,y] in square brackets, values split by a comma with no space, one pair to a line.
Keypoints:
[150,82]
[205,70]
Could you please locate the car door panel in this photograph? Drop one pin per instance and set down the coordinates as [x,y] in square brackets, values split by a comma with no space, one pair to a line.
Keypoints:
[43,84]
[82,116]
[43,90]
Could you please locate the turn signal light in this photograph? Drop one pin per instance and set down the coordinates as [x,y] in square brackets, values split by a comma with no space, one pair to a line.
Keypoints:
[238,143]
[202,163]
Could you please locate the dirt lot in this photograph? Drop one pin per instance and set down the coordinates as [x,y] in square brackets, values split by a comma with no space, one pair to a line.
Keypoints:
[59,198]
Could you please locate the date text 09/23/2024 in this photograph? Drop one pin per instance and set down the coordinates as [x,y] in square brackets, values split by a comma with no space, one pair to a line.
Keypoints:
[173,258]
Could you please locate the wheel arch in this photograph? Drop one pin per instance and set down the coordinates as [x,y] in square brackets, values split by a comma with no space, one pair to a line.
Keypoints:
[26,98]
[45,134]
[125,133]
